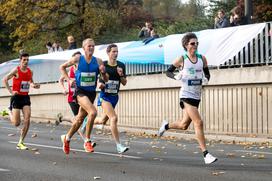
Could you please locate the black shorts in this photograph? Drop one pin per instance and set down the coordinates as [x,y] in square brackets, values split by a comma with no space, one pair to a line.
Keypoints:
[19,101]
[192,102]
[74,107]
[80,92]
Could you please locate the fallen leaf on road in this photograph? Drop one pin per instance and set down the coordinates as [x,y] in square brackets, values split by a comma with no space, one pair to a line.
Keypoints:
[34,135]
[37,153]
[195,152]
[11,134]
[54,163]
[217,173]
[34,149]
[261,156]
[96,178]
[230,155]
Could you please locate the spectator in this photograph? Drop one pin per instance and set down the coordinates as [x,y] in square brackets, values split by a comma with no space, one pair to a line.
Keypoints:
[153,36]
[56,47]
[221,21]
[49,47]
[146,31]
[237,17]
[72,43]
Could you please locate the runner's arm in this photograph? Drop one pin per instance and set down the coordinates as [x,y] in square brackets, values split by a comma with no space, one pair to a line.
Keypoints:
[61,83]
[11,74]
[102,70]
[32,84]
[206,68]
[176,64]
[73,61]
[121,70]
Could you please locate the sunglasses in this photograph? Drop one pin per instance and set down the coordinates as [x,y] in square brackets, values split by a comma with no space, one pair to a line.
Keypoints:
[25,59]
[194,43]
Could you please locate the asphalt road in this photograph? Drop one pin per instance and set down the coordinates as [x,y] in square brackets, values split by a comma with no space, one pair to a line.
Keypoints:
[149,158]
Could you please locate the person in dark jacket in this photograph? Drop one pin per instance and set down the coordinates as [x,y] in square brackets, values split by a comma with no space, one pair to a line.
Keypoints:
[146,30]
[72,43]
[221,21]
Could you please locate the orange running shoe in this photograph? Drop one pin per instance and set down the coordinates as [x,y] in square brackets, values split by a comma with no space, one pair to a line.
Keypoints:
[88,147]
[65,144]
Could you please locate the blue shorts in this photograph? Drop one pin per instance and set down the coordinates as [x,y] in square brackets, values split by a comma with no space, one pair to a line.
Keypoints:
[113,99]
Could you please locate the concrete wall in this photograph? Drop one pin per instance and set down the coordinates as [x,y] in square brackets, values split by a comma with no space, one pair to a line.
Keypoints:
[236,101]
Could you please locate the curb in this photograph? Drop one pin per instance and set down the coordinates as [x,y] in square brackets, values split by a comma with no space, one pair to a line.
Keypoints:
[190,136]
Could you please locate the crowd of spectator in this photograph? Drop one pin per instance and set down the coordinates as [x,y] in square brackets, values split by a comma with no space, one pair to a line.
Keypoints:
[55,47]
[236,18]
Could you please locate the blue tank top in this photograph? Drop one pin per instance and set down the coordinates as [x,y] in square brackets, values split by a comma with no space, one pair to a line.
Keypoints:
[86,74]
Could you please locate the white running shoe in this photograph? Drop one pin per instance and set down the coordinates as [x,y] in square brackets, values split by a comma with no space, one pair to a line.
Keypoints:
[121,149]
[209,159]
[162,128]
[99,126]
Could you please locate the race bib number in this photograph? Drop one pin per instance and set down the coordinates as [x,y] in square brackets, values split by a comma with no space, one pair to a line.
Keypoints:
[25,86]
[87,79]
[194,82]
[112,86]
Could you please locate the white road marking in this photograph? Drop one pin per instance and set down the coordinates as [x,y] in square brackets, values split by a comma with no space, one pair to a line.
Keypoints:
[4,170]
[78,150]
[258,152]
[18,129]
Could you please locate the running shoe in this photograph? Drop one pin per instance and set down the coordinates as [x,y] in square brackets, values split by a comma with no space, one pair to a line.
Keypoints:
[88,147]
[99,126]
[21,146]
[209,159]
[93,144]
[162,128]
[65,144]
[4,112]
[121,149]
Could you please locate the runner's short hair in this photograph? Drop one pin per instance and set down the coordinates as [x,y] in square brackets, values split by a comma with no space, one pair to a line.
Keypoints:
[24,54]
[86,41]
[110,46]
[186,38]
[76,53]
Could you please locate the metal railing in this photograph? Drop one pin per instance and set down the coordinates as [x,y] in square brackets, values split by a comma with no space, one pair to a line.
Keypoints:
[256,53]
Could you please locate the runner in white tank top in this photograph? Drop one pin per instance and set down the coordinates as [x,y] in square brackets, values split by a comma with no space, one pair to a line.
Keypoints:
[192,66]
[191,80]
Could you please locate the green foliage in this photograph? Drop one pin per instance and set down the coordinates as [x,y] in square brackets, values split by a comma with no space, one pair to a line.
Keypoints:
[190,25]
[30,24]
[216,5]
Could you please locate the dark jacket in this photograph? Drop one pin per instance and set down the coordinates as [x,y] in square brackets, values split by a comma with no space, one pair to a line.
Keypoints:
[72,46]
[222,23]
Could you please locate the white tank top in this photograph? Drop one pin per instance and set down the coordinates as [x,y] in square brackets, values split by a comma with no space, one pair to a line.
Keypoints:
[192,75]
